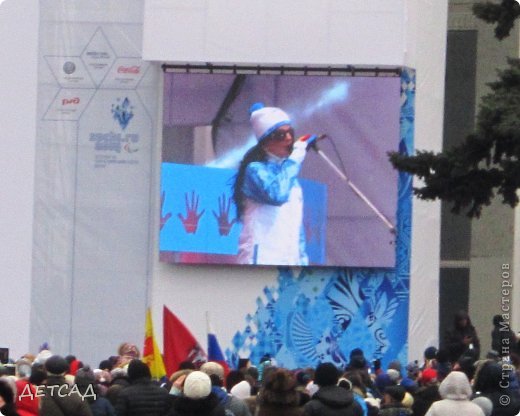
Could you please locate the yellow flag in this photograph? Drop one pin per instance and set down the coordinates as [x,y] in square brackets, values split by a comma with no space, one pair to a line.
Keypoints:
[151,354]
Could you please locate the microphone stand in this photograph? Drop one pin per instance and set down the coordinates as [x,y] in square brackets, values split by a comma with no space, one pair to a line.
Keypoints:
[354,188]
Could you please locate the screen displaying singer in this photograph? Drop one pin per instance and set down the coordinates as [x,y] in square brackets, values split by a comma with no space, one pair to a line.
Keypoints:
[261,185]
[267,193]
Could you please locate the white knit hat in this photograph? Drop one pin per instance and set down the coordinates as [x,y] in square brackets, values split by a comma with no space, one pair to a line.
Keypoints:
[241,390]
[197,385]
[265,120]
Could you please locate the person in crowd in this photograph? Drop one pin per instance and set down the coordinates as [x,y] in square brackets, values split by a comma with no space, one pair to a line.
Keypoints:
[462,338]
[267,193]
[492,381]
[58,398]
[359,364]
[455,391]
[427,393]
[86,382]
[392,403]
[352,381]
[216,373]
[27,401]
[485,404]
[119,380]
[303,378]
[442,363]
[503,340]
[127,352]
[381,382]
[38,375]
[7,403]
[466,364]
[176,381]
[74,364]
[279,396]
[330,399]
[197,398]
[242,390]
[106,365]
[357,360]
[410,381]
[251,374]
[430,356]
[141,397]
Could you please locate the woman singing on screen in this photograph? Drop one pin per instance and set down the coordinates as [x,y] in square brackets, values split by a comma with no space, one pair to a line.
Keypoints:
[267,192]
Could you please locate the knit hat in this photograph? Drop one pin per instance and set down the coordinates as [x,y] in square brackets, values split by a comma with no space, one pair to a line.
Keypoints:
[428,375]
[23,368]
[241,390]
[393,374]
[84,377]
[266,120]
[213,368]
[326,374]
[138,369]
[197,385]
[395,365]
[430,353]
[56,365]
[42,356]
[413,369]
[396,392]
[382,381]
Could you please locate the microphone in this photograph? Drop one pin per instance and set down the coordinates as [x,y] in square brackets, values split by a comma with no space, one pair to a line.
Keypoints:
[312,139]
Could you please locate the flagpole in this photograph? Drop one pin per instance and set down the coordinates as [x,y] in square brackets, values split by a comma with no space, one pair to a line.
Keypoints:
[208,328]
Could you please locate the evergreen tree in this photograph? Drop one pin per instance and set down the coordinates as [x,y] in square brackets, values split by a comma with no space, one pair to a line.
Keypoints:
[487,162]
[503,14]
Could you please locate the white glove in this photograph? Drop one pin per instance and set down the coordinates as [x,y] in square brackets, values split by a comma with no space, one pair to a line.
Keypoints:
[299,151]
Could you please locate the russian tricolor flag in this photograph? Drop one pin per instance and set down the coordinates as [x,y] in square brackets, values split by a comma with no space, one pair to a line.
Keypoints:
[214,350]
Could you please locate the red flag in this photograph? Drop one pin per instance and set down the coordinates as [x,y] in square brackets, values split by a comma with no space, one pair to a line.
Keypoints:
[179,344]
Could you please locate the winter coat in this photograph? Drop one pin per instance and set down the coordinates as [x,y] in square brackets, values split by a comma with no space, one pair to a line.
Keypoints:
[493,382]
[233,404]
[332,401]
[142,398]
[454,339]
[423,399]
[456,392]
[208,406]
[395,410]
[59,400]
[272,410]
[102,407]
[9,409]
[272,231]
[27,402]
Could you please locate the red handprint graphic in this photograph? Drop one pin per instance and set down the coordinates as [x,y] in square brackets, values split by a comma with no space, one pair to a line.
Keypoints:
[224,226]
[165,218]
[191,221]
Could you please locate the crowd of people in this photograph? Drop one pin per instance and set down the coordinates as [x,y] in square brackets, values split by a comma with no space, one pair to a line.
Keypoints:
[450,380]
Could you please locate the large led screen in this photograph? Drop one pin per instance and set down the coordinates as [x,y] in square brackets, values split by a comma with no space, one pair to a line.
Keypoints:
[240,183]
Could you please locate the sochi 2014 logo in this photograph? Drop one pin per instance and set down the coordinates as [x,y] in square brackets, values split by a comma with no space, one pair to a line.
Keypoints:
[123,112]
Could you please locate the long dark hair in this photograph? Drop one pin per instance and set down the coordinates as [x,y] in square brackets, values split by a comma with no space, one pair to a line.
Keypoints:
[255,154]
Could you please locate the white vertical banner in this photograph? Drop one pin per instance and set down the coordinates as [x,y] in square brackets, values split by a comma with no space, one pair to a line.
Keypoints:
[97,116]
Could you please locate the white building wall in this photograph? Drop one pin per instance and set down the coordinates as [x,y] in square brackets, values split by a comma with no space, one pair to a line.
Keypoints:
[18,68]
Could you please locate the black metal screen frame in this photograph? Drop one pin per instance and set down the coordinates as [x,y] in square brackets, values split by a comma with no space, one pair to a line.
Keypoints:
[348,70]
